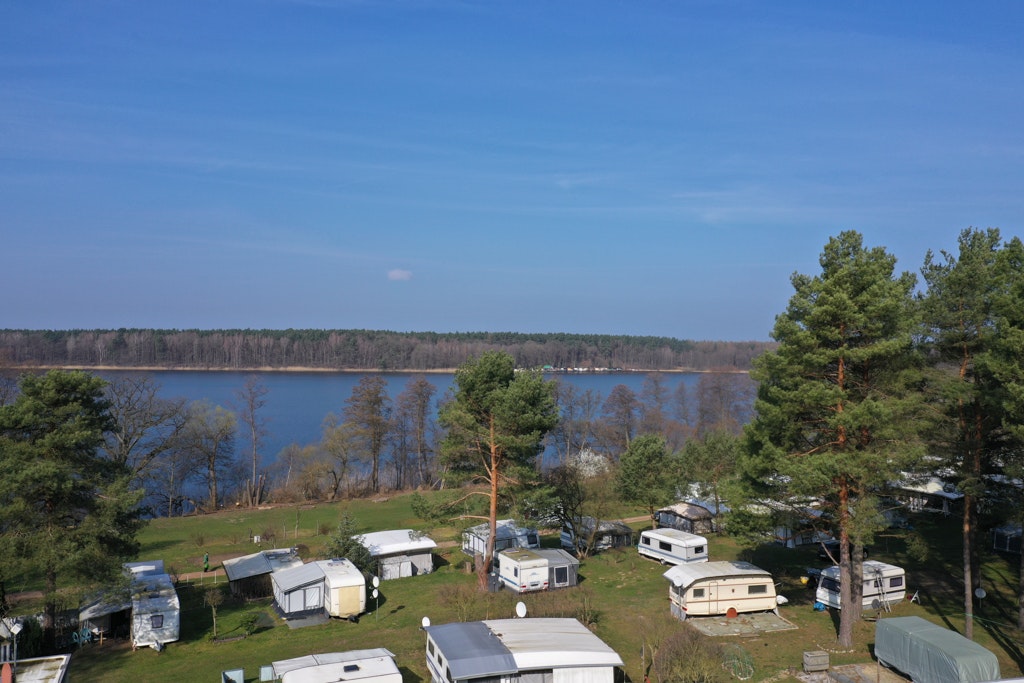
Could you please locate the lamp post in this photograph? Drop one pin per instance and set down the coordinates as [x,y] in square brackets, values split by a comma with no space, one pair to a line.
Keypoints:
[15,630]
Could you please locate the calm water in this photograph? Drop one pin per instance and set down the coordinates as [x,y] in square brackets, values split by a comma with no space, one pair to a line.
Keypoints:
[297,403]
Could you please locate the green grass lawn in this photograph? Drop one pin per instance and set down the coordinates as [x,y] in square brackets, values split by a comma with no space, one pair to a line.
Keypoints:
[621,595]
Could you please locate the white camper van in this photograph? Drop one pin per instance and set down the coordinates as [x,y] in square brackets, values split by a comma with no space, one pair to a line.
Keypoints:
[672,546]
[883,582]
[537,570]
[523,570]
[715,588]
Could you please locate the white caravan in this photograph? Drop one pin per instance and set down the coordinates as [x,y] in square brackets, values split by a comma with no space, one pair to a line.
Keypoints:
[883,582]
[523,570]
[672,546]
[715,588]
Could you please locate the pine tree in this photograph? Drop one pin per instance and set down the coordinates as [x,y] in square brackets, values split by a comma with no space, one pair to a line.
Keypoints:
[496,423]
[833,412]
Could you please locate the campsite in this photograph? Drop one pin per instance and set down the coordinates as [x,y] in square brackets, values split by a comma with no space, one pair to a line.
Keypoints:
[621,596]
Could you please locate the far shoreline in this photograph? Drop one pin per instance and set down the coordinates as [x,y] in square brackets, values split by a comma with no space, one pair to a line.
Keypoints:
[359,371]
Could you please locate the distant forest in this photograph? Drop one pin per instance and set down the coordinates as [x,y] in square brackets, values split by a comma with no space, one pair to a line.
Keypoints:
[360,350]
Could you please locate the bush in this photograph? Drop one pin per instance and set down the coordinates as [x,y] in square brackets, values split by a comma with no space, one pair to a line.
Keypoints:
[251,621]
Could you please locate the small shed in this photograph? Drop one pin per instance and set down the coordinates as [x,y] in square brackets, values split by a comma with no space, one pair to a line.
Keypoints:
[299,591]
[249,575]
[507,535]
[400,553]
[929,653]
[377,665]
[689,517]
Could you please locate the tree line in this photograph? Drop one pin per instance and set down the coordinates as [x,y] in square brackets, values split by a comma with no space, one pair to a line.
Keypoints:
[359,349]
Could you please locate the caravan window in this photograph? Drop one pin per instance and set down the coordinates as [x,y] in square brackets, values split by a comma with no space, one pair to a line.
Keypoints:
[645,540]
[699,550]
[757,589]
[665,546]
[831,585]
[532,538]
[157,621]
[698,592]
[896,582]
[561,575]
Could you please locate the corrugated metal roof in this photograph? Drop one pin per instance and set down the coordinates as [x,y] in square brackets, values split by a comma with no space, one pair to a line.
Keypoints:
[685,574]
[290,579]
[395,541]
[263,562]
[247,566]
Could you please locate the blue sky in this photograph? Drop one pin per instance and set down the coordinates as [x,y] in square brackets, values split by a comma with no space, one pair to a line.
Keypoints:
[647,168]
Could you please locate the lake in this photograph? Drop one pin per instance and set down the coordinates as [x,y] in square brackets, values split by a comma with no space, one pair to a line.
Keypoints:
[298,402]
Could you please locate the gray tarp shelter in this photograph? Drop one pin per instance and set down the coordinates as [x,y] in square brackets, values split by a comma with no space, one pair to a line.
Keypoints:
[929,653]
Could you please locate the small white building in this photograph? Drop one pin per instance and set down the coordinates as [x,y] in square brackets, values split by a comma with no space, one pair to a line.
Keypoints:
[376,665]
[538,650]
[883,582]
[400,553]
[507,535]
[672,546]
[716,588]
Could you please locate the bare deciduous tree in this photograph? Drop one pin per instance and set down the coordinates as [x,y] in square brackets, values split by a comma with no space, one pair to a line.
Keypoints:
[252,398]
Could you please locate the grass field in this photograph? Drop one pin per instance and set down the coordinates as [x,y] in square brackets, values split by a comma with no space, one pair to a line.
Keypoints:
[621,595]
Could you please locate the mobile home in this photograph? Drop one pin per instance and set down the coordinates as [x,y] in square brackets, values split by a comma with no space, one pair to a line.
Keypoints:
[335,587]
[507,535]
[156,612]
[883,582]
[600,535]
[691,517]
[376,665]
[672,546]
[400,553]
[715,588]
[552,650]
[543,569]
[345,588]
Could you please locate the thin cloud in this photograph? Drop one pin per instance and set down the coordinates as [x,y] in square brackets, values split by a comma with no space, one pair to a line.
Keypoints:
[399,275]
